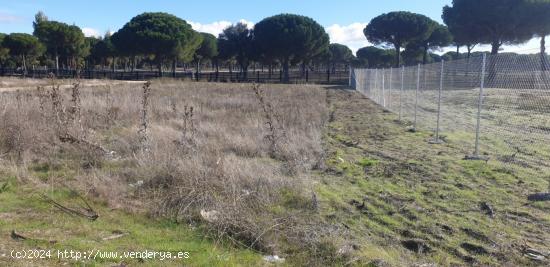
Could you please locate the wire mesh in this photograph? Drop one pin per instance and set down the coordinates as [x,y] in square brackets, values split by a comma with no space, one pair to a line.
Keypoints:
[514,115]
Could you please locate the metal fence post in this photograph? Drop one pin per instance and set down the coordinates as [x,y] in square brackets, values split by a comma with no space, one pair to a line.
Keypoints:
[349,78]
[416,98]
[377,86]
[374,92]
[401,91]
[383,88]
[389,88]
[437,140]
[372,83]
[476,155]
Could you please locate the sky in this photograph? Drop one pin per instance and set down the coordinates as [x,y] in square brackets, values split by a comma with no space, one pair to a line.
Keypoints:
[344,20]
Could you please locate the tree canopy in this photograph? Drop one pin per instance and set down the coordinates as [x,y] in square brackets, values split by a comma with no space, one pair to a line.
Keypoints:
[209,46]
[340,53]
[208,49]
[398,29]
[461,28]
[103,49]
[60,39]
[4,52]
[290,39]
[440,37]
[375,57]
[538,12]
[287,39]
[494,22]
[160,34]
[23,45]
[236,41]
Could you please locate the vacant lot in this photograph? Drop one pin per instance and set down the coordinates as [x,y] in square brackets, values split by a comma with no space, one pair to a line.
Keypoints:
[231,172]
[226,154]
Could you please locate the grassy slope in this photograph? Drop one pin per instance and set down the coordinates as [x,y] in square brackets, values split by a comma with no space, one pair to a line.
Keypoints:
[23,210]
[383,186]
[389,186]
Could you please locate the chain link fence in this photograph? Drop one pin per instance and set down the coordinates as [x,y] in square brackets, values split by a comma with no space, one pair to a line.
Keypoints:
[494,107]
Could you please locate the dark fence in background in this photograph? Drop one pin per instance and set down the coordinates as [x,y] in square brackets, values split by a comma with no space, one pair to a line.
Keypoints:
[339,77]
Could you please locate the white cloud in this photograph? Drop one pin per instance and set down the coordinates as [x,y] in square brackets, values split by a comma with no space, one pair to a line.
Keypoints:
[350,35]
[90,32]
[530,47]
[217,27]
[9,18]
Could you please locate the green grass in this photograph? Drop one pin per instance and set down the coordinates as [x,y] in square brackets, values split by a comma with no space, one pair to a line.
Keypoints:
[24,211]
[391,185]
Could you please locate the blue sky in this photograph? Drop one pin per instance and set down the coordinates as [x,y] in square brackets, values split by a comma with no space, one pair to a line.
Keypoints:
[343,19]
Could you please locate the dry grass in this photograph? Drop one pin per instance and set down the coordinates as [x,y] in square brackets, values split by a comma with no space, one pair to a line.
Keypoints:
[209,150]
[13,83]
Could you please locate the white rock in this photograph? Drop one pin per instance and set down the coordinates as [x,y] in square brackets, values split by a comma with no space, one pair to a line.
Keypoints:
[273,258]
[210,215]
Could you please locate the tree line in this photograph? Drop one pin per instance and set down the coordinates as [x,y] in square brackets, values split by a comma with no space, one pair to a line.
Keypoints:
[468,23]
[161,39]
[281,41]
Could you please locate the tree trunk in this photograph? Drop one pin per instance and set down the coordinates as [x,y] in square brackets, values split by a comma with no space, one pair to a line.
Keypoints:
[492,71]
[245,72]
[495,46]
[424,56]
[457,51]
[159,65]
[230,71]
[198,66]
[397,55]
[24,66]
[174,65]
[286,66]
[543,60]
[56,63]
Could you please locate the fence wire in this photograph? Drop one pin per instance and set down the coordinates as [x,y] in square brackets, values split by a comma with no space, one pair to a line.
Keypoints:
[500,102]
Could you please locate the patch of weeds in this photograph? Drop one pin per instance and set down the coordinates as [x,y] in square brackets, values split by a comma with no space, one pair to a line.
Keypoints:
[4,187]
[474,249]
[324,252]
[367,162]
[44,170]
[140,233]
[294,200]
[341,165]
[8,184]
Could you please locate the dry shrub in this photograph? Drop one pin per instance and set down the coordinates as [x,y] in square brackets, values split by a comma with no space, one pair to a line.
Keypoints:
[206,151]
